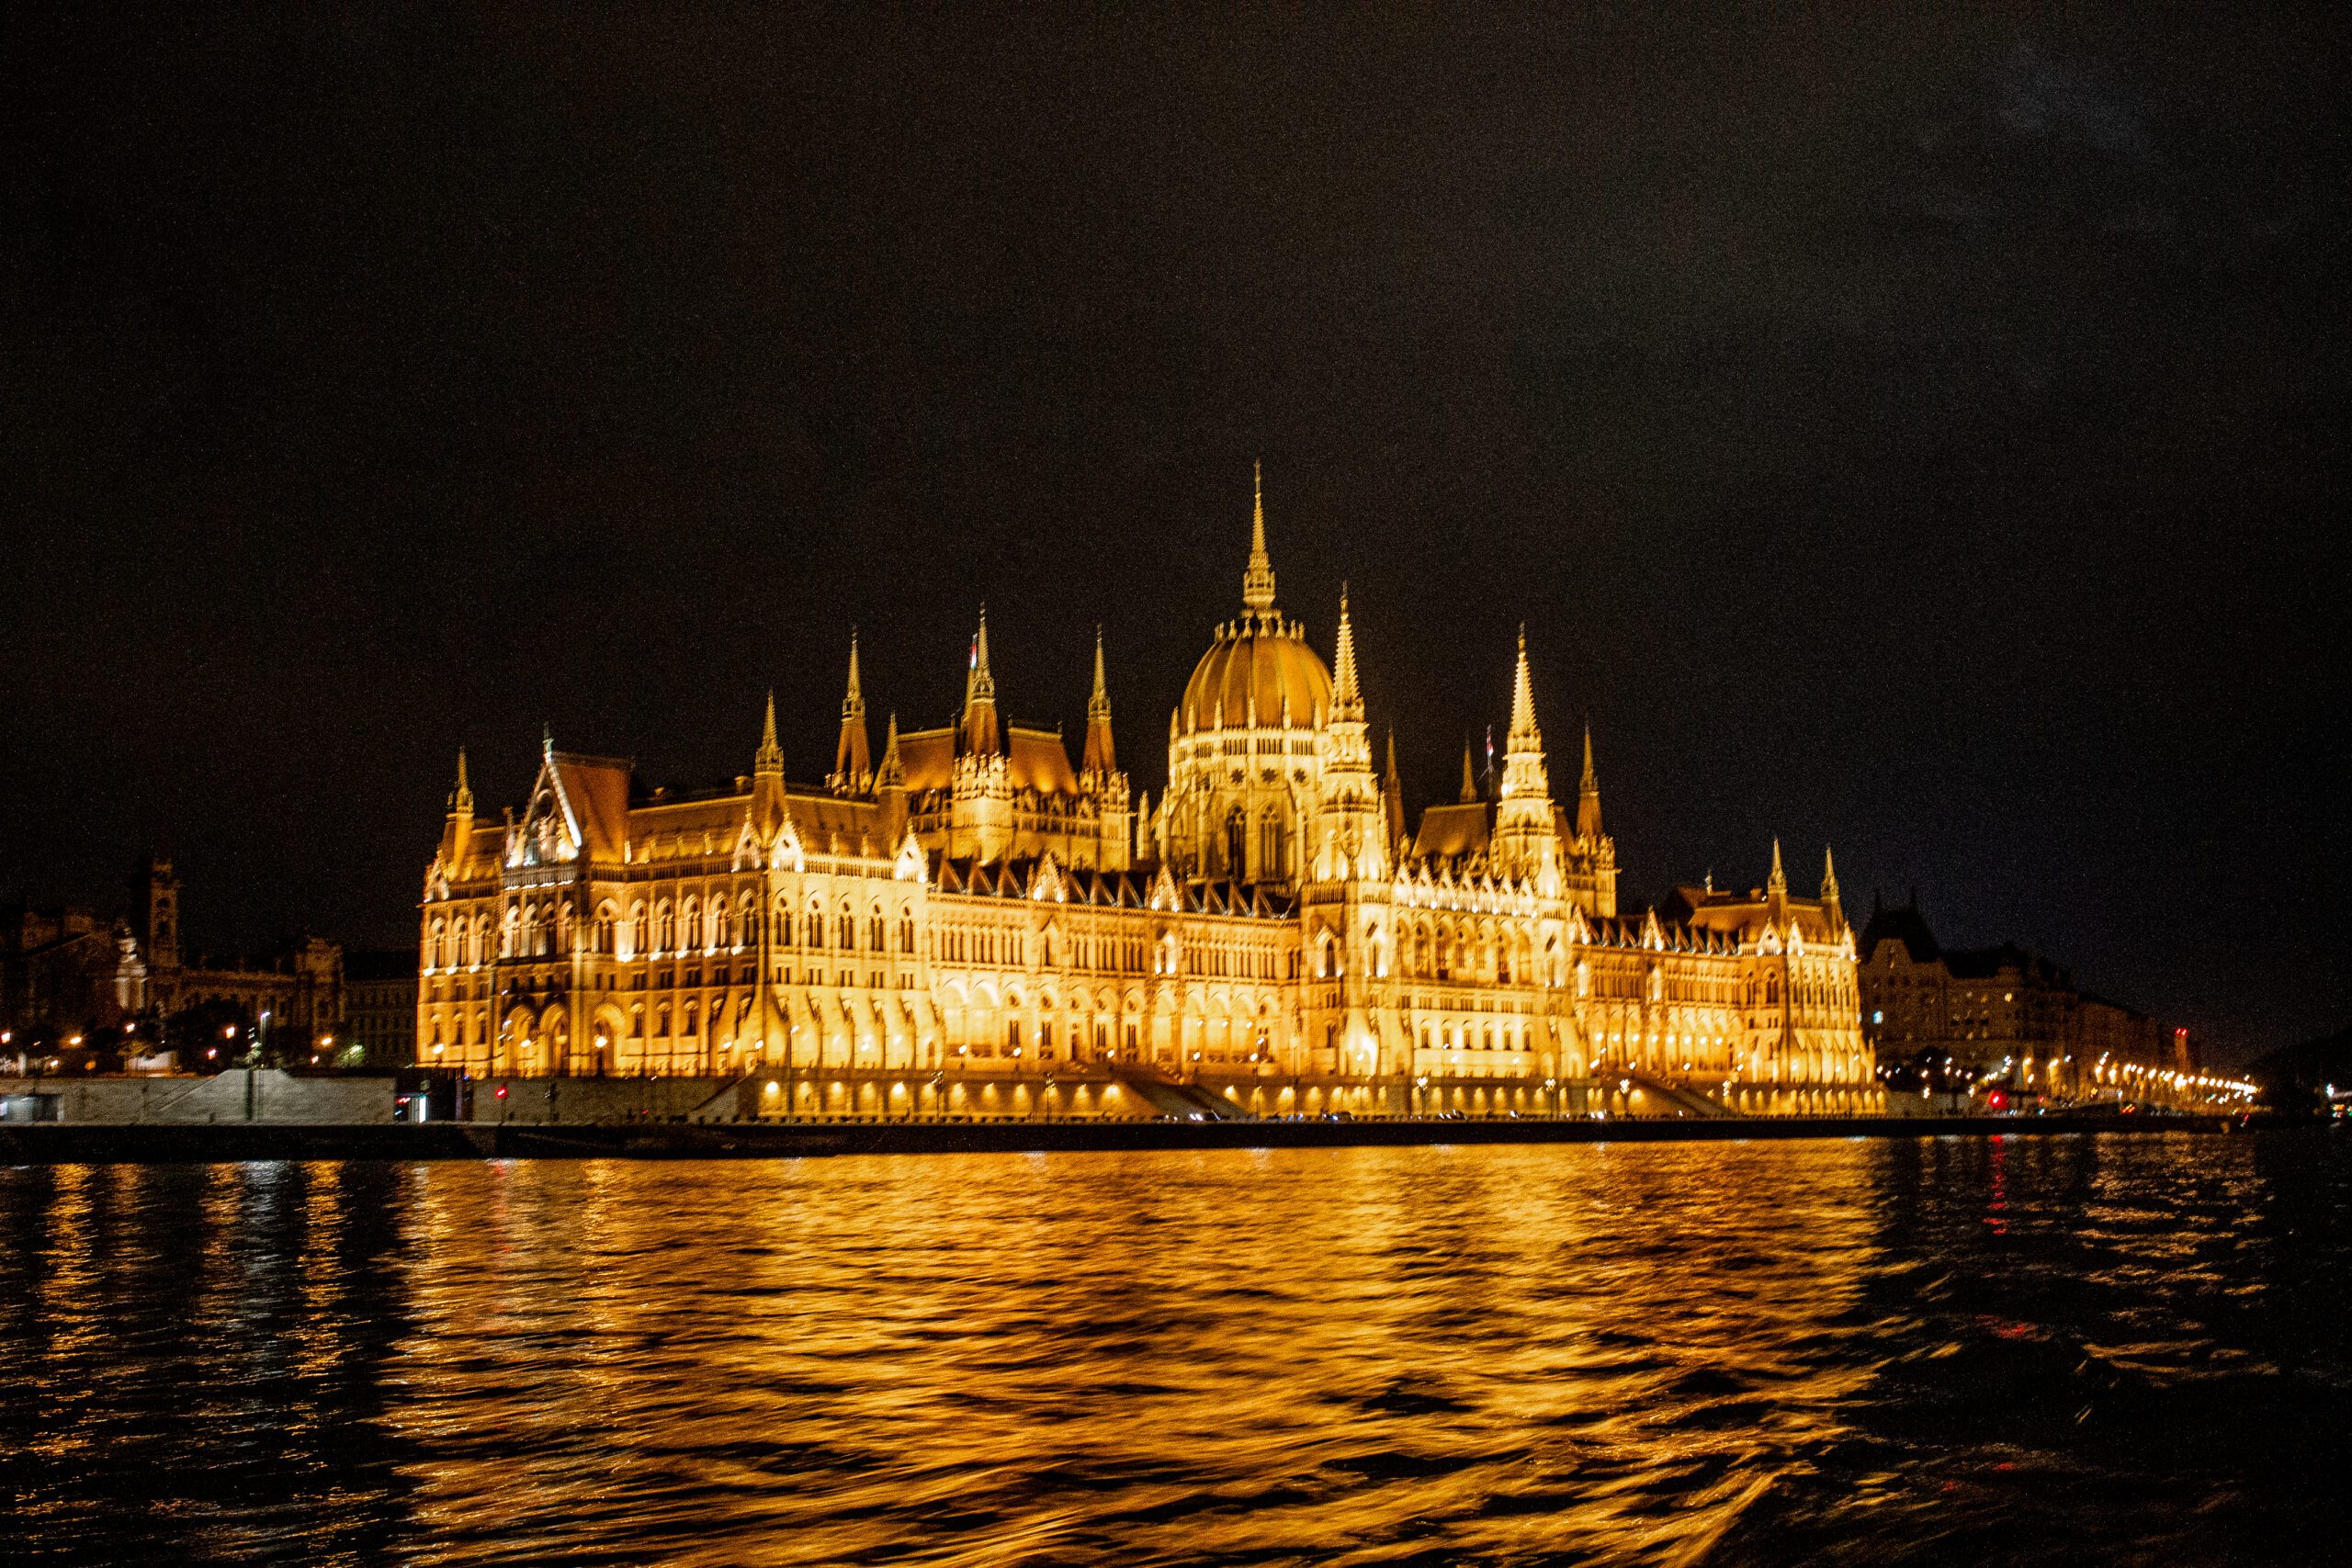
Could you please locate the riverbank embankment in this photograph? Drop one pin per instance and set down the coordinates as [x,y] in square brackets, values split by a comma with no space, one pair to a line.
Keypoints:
[89,1144]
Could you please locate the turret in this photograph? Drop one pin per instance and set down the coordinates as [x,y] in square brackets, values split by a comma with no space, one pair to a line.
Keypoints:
[1392,799]
[1588,797]
[1776,888]
[456,842]
[853,768]
[891,786]
[768,809]
[1833,912]
[1526,842]
[1353,818]
[1101,760]
[978,735]
[1469,796]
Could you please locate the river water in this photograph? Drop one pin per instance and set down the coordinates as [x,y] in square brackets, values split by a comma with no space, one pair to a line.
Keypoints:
[2065,1350]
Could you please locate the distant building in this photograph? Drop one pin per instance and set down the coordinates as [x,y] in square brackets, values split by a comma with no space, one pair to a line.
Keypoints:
[67,971]
[83,971]
[299,985]
[379,1006]
[1995,1014]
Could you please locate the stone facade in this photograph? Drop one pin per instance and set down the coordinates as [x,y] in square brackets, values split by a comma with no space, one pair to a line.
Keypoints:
[971,907]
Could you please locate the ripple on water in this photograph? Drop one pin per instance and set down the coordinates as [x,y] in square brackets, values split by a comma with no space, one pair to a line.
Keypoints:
[1773,1352]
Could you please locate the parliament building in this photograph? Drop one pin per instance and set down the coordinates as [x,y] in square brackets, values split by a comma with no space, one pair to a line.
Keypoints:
[967,923]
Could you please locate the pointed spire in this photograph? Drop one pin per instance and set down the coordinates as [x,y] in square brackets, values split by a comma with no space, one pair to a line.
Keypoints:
[977,681]
[769,757]
[1392,794]
[1469,775]
[1831,904]
[1778,884]
[1258,579]
[1347,698]
[852,759]
[1524,735]
[892,774]
[1588,795]
[461,799]
[980,735]
[1101,760]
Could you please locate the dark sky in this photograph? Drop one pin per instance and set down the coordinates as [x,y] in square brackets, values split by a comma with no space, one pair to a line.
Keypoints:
[1905,431]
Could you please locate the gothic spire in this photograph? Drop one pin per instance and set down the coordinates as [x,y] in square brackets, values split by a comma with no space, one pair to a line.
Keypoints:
[1524,735]
[852,759]
[1347,698]
[1392,794]
[1469,775]
[1100,759]
[1777,887]
[461,800]
[1588,795]
[1831,904]
[981,735]
[769,757]
[892,774]
[1258,579]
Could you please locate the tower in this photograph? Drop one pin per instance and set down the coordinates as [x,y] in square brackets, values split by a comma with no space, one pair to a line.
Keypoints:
[978,733]
[1100,779]
[853,769]
[890,787]
[162,899]
[1526,838]
[1101,760]
[1345,901]
[770,811]
[1833,912]
[980,812]
[1392,800]
[456,837]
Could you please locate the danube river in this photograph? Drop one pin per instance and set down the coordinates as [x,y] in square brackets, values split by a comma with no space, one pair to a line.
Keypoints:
[2059,1349]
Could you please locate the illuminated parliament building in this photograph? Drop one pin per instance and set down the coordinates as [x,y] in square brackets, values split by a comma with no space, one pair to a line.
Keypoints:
[967,923]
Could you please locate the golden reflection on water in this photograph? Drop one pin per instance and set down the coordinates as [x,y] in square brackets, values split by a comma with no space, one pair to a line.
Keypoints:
[1141,1357]
[1656,1353]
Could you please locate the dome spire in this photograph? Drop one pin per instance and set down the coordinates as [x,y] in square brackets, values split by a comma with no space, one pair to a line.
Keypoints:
[1257,580]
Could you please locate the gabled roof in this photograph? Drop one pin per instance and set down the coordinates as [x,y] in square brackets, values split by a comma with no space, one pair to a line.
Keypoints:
[1449,831]
[1904,925]
[596,791]
[1035,760]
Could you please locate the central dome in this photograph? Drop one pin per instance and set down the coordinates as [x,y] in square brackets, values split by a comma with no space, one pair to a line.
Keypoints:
[1256,666]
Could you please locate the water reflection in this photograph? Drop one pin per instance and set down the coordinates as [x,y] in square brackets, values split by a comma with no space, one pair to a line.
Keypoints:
[1929,1350]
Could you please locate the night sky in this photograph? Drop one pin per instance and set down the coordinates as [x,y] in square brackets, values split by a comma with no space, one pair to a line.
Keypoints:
[1910,433]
